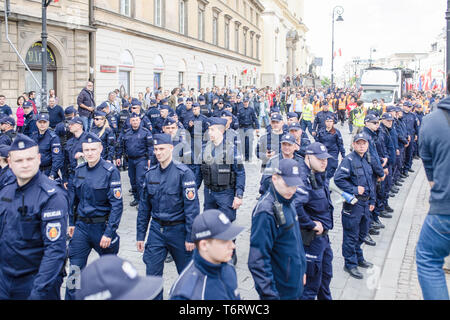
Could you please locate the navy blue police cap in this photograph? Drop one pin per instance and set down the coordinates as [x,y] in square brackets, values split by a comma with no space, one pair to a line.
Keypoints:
[398,109]
[27,104]
[8,120]
[153,101]
[179,100]
[103,106]
[289,138]
[226,113]
[76,120]
[169,121]
[390,108]
[134,115]
[371,117]
[42,117]
[318,150]
[292,115]
[91,138]
[113,278]
[217,121]
[162,138]
[164,107]
[164,100]
[70,110]
[276,117]
[214,224]
[220,101]
[135,102]
[99,113]
[201,98]
[330,118]
[189,99]
[4,150]
[195,104]
[22,142]
[387,116]
[246,99]
[295,126]
[274,110]
[361,136]
[289,170]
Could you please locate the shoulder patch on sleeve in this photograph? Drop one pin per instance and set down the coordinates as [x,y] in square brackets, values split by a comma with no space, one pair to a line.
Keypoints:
[53,231]
[108,166]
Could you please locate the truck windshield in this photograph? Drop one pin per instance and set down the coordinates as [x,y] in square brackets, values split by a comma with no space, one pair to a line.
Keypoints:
[368,95]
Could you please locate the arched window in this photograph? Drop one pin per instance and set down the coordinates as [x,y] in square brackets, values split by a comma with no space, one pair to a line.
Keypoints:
[125,68]
[158,68]
[34,61]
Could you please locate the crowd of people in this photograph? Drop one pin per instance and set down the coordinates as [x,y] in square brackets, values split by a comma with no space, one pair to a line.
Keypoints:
[60,171]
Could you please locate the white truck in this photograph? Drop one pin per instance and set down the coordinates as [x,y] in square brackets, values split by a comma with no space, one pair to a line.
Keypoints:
[379,83]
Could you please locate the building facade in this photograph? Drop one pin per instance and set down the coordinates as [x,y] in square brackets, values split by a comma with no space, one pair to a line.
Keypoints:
[166,43]
[285,50]
[68,48]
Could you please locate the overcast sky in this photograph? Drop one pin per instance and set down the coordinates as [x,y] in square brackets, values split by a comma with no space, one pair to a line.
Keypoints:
[389,26]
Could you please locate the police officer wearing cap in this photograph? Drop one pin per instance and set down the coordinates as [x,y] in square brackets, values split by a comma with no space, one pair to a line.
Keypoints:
[52,154]
[404,141]
[315,211]
[102,129]
[136,107]
[110,117]
[33,216]
[412,129]
[6,175]
[29,125]
[164,111]
[180,106]
[222,171]
[97,208]
[301,138]
[288,148]
[232,120]
[113,278]
[73,155]
[331,138]
[276,258]
[269,144]
[123,116]
[62,128]
[210,275]
[153,114]
[137,144]
[319,120]
[354,176]
[186,112]
[205,108]
[218,108]
[169,198]
[400,146]
[7,127]
[247,121]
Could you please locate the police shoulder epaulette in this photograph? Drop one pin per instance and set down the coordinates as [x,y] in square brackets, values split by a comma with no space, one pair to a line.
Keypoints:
[180,165]
[52,133]
[264,205]
[108,166]
[50,187]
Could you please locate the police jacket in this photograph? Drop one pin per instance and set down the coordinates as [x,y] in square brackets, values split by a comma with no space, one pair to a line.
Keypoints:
[123,117]
[222,167]
[385,136]
[319,120]
[33,226]
[98,193]
[276,258]
[5,111]
[50,150]
[6,177]
[113,122]
[199,120]
[312,201]
[394,135]
[356,171]
[268,142]
[29,125]
[374,158]
[62,130]
[247,118]
[179,110]
[402,134]
[108,142]
[203,280]
[73,146]
[135,143]
[411,124]
[185,115]
[333,142]
[205,109]
[145,122]
[7,137]
[168,194]
[304,143]
[153,115]
[217,112]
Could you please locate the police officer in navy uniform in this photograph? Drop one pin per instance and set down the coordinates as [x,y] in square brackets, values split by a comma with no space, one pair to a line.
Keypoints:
[29,125]
[52,156]
[136,107]
[6,175]
[301,138]
[315,212]
[102,129]
[62,128]
[247,121]
[169,198]
[111,117]
[33,225]
[210,275]
[73,155]
[7,126]
[411,128]
[269,144]
[205,108]
[276,258]
[319,120]
[354,176]
[123,117]
[153,114]
[96,210]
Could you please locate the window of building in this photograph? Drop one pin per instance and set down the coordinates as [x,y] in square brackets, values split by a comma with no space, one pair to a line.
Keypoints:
[125,7]
[183,17]
[215,31]
[236,37]
[156,80]
[257,47]
[252,36]
[251,14]
[227,33]
[257,19]
[245,41]
[125,68]
[180,78]
[159,12]
[201,24]
[34,61]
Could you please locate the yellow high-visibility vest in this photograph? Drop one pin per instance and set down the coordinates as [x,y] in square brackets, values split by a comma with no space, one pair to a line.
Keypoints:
[307,114]
[359,114]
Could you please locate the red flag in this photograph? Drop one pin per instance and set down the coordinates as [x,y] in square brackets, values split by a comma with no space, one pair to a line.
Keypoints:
[340,53]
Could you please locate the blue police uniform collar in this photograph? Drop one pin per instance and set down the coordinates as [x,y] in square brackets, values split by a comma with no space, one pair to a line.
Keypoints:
[210,269]
[279,197]
[29,183]
[166,168]
[94,167]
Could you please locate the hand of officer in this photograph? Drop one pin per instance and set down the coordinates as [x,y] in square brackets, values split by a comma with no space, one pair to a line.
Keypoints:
[105,242]
[78,154]
[70,231]
[191,123]
[397,152]
[382,178]
[270,154]
[140,246]
[371,207]
[314,133]
[304,279]
[189,246]
[361,190]
[385,160]
[118,162]
[386,171]
[318,227]
[148,164]
[65,185]
[236,203]
[415,138]
[257,132]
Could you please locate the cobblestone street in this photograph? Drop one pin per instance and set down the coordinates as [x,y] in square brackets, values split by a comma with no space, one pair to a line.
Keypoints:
[402,280]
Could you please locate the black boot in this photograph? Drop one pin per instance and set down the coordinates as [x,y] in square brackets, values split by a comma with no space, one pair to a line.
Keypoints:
[369,241]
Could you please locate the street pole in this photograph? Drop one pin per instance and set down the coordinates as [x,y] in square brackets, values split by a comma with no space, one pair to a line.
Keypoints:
[339,11]
[447,17]
[44,36]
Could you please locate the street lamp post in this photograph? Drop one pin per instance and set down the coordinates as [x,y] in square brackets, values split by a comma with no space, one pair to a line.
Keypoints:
[338,10]
[44,36]
[372,50]
[447,17]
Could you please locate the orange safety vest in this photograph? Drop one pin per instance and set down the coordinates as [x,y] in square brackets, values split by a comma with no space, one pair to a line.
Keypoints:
[316,107]
[342,104]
